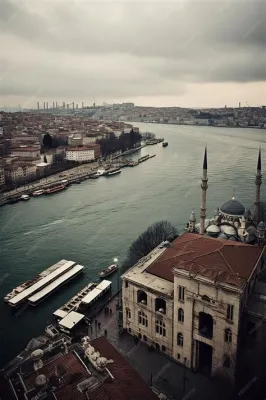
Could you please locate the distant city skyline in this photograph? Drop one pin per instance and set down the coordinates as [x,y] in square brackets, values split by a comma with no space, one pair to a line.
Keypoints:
[196,54]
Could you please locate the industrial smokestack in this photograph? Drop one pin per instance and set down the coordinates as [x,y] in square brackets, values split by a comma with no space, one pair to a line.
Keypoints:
[38,106]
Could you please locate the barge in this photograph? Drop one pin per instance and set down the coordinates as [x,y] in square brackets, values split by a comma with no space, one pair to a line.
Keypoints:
[20,298]
[94,295]
[55,189]
[20,288]
[55,285]
[144,158]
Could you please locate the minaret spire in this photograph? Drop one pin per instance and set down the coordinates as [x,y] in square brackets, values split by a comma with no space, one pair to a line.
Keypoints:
[204,187]
[258,182]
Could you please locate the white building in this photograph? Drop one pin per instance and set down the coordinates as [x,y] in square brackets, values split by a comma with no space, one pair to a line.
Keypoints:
[83,154]
[187,299]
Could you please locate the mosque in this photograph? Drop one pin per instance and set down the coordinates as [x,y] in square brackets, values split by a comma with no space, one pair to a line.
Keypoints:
[232,221]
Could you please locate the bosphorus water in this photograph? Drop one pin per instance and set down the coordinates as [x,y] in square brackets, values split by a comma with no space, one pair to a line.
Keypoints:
[96,221]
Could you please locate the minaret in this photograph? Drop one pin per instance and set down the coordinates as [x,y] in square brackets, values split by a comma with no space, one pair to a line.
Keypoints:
[204,187]
[192,222]
[258,184]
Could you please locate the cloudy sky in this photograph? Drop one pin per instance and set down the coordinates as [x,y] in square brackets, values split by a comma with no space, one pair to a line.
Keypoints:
[161,53]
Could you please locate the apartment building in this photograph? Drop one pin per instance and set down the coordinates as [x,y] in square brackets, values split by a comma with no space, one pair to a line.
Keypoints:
[187,299]
[84,154]
[20,172]
[29,153]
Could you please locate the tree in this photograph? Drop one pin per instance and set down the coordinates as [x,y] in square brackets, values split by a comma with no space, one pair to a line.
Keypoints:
[47,140]
[148,240]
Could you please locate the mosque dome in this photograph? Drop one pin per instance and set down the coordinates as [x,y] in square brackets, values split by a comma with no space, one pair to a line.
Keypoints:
[229,230]
[223,236]
[213,230]
[233,207]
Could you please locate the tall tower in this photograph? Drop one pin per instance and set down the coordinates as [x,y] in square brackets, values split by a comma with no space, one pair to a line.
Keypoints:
[204,187]
[258,182]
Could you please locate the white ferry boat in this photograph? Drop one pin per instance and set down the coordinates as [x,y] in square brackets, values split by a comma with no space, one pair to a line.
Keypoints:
[25,197]
[38,193]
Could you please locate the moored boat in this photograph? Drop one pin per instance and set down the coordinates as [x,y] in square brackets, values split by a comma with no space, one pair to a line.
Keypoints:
[55,189]
[165,144]
[38,193]
[100,172]
[113,172]
[108,271]
[144,158]
[24,197]
[133,163]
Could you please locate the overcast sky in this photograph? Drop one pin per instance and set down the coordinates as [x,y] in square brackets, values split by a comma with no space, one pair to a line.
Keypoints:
[160,53]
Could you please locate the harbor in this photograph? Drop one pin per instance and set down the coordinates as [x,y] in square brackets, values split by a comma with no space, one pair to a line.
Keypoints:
[108,169]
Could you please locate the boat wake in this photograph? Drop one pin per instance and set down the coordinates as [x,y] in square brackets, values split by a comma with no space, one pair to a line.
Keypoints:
[44,227]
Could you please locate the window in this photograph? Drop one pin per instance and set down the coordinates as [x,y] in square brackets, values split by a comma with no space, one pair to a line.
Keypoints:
[160,305]
[181,293]
[128,313]
[228,335]
[206,298]
[230,312]
[126,284]
[180,315]
[142,297]
[160,328]
[180,339]
[227,361]
[163,348]
[143,319]
[178,356]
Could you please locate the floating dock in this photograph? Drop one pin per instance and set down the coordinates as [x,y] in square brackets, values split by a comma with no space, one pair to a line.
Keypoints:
[30,291]
[27,284]
[49,289]
[74,302]
[95,294]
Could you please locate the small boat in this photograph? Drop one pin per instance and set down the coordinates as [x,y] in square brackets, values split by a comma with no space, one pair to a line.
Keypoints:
[100,172]
[133,163]
[108,271]
[38,193]
[25,197]
[113,172]
[165,144]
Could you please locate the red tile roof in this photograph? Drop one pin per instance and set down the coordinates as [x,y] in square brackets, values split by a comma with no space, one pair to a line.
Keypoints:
[127,385]
[224,261]
[72,365]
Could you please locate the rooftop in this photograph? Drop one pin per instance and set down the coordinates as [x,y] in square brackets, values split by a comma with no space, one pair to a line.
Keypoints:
[221,261]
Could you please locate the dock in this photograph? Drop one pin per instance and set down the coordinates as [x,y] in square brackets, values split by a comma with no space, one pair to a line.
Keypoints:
[74,302]
[52,287]
[30,291]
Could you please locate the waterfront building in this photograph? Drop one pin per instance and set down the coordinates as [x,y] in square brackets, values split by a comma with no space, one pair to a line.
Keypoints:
[20,172]
[84,154]
[2,177]
[193,297]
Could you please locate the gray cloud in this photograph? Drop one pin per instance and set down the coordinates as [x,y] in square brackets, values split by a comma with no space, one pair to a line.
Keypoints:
[123,49]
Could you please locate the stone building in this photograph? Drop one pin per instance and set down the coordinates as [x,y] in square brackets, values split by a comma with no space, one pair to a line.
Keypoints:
[189,298]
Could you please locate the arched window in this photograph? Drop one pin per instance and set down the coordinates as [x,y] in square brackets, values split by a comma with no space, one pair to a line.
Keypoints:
[205,298]
[180,339]
[180,315]
[143,319]
[142,297]
[128,313]
[228,335]
[227,361]
[160,305]
[160,327]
